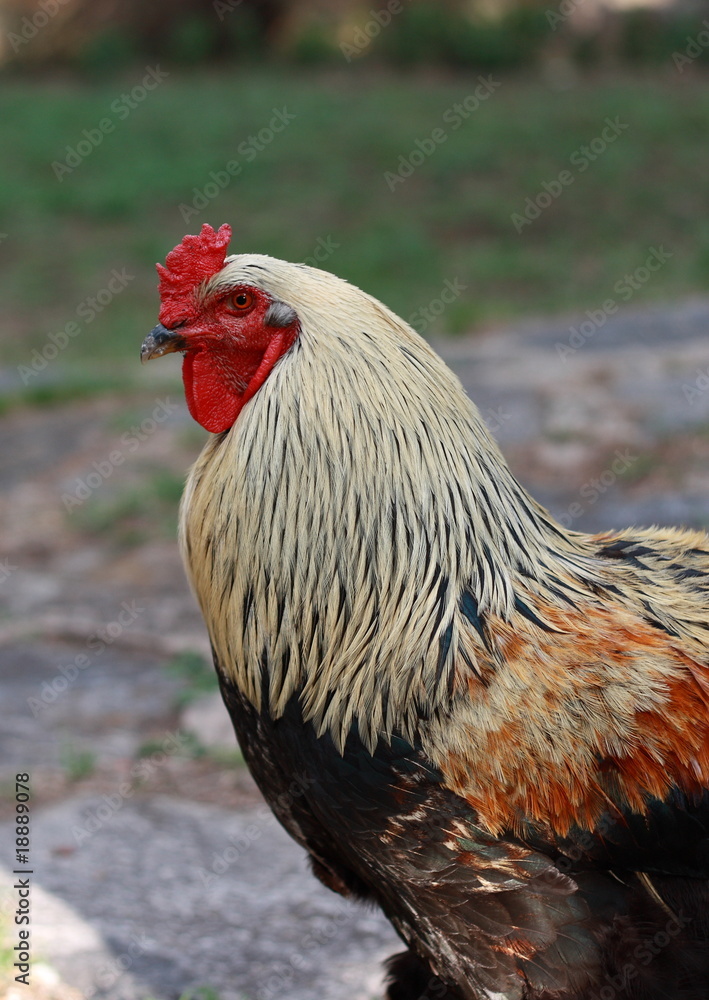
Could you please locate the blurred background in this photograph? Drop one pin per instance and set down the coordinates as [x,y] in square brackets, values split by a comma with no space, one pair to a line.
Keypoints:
[525,183]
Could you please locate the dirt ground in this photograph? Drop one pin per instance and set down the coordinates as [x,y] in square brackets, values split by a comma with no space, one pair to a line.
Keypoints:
[157,871]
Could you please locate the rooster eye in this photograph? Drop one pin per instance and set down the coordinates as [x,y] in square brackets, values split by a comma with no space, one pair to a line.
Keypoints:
[240,301]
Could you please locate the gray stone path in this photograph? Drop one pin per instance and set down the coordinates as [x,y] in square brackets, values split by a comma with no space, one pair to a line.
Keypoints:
[180,895]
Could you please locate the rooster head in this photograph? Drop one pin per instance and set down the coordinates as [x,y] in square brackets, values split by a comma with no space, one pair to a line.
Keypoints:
[230,333]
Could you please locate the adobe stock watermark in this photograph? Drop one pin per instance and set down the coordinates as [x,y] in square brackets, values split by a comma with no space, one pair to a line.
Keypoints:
[248,150]
[95,819]
[564,11]
[96,644]
[363,36]
[700,387]
[495,418]
[425,315]
[641,956]
[87,311]
[580,160]
[31,25]
[120,108]
[694,48]
[130,441]
[594,488]
[324,249]
[455,116]
[107,975]
[625,288]
[279,981]
[222,8]
[240,843]
[6,569]
[649,947]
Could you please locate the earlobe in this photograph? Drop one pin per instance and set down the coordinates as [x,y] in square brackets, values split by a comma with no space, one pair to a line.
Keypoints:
[279,314]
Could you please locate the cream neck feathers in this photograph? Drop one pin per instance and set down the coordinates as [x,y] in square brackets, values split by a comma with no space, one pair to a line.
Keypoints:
[330,534]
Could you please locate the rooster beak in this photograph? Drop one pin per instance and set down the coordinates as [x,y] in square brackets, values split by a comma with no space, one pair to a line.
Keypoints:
[161,341]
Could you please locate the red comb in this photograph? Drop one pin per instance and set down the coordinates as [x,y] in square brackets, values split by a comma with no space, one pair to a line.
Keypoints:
[193,260]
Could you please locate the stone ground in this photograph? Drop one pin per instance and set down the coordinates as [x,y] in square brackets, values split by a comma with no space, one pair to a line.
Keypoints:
[157,870]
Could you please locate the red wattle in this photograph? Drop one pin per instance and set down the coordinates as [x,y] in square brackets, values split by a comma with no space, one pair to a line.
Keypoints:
[210,400]
[211,380]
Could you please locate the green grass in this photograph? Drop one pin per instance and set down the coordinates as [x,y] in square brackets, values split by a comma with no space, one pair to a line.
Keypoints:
[74,384]
[200,993]
[77,763]
[133,513]
[198,676]
[323,176]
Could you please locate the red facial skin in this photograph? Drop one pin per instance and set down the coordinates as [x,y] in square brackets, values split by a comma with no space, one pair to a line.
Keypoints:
[230,352]
[229,349]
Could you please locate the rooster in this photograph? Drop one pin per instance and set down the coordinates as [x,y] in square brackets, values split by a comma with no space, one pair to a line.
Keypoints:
[498,728]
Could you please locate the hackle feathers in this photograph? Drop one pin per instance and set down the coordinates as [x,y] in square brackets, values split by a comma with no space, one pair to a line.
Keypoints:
[358,539]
